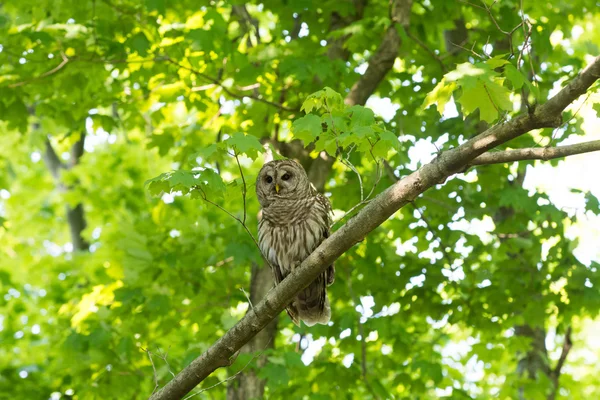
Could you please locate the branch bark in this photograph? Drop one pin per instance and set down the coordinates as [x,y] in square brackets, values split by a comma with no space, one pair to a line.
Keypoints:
[540,153]
[374,214]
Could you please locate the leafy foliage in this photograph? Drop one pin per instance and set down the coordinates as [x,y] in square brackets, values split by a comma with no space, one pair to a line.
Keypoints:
[180,102]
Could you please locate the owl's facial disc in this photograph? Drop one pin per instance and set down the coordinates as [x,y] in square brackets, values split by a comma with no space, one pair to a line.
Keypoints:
[286,181]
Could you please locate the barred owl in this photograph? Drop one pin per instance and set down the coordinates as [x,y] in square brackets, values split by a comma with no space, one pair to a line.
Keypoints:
[295,220]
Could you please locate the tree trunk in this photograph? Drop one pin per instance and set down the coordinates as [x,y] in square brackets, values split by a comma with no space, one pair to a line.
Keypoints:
[75,215]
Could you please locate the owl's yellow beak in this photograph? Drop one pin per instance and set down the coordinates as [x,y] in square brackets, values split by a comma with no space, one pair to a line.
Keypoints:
[277,187]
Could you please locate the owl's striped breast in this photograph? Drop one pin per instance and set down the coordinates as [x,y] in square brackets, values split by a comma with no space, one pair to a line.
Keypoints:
[290,230]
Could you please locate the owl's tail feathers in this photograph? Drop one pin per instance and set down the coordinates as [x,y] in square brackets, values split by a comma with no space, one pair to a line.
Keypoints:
[314,316]
[312,304]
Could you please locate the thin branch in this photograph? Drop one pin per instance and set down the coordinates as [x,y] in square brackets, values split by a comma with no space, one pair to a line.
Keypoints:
[203,195]
[229,91]
[488,10]
[243,187]
[347,163]
[223,262]
[365,200]
[164,356]
[471,4]
[247,298]
[567,345]
[538,153]
[471,50]
[54,70]
[428,50]
[53,162]
[153,369]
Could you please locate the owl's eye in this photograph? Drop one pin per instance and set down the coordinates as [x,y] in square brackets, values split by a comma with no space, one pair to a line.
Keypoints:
[269,179]
[285,177]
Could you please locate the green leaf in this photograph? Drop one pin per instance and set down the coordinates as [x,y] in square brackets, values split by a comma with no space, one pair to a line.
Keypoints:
[596,108]
[163,142]
[333,99]
[105,122]
[440,94]
[591,203]
[208,153]
[213,182]
[388,141]
[497,61]
[515,76]
[489,97]
[307,128]
[310,104]
[467,75]
[140,43]
[245,144]
[360,116]
[172,181]
[156,5]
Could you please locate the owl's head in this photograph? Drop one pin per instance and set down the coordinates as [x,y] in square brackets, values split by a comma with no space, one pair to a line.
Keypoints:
[281,179]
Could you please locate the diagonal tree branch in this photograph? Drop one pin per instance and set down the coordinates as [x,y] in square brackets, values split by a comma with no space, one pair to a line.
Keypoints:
[374,214]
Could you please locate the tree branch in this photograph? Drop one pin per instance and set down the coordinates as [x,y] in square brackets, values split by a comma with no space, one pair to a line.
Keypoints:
[370,217]
[65,61]
[52,161]
[75,215]
[539,153]
[567,345]
[383,60]
[230,92]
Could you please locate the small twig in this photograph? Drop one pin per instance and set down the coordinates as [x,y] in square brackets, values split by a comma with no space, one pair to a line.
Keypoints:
[347,163]
[243,187]
[248,298]
[153,368]
[469,50]
[230,92]
[427,49]
[365,200]
[203,195]
[490,98]
[223,262]
[527,29]
[337,144]
[164,358]
[488,10]
[570,119]
[471,4]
